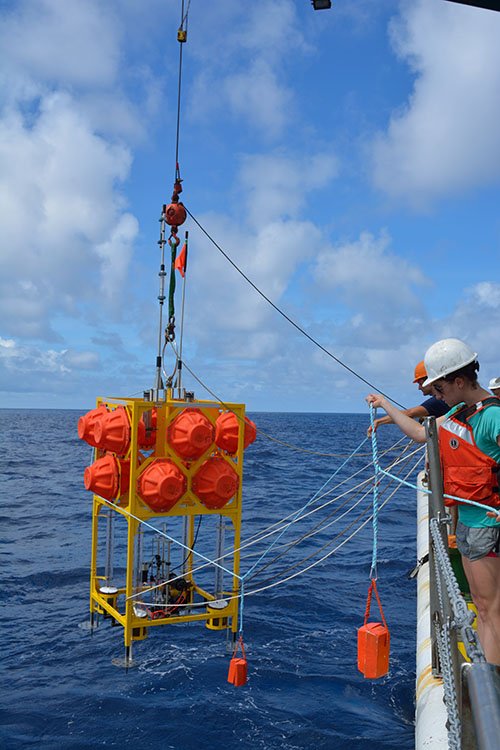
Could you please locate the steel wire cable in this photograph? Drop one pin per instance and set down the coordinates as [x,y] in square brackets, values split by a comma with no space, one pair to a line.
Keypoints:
[286,317]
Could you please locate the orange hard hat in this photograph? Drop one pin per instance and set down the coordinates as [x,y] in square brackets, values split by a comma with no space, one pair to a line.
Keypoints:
[420,372]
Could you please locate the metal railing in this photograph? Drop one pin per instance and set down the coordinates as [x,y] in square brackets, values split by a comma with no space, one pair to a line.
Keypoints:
[471,688]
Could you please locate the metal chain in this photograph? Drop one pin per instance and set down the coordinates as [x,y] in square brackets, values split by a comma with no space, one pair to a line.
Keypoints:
[463,617]
[444,649]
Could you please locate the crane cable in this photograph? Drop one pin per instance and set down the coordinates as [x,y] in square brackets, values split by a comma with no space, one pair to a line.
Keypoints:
[284,315]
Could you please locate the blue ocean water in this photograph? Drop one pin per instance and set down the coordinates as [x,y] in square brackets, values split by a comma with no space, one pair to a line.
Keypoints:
[58,685]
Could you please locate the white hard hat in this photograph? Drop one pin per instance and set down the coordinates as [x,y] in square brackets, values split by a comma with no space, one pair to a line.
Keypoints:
[494,383]
[446,356]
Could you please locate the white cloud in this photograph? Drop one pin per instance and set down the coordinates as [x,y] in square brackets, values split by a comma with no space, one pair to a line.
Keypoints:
[59,43]
[62,215]
[274,185]
[445,139]
[20,359]
[368,276]
[243,76]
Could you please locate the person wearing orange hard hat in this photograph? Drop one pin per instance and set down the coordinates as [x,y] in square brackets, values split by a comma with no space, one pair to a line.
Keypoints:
[431,407]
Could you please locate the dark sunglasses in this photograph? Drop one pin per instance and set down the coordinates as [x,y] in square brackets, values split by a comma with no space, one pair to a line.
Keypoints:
[438,388]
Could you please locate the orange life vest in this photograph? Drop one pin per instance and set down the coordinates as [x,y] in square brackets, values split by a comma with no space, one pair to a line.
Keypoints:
[467,471]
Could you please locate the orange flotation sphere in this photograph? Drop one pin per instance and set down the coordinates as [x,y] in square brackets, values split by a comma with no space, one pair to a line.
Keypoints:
[86,425]
[107,477]
[227,429]
[215,483]
[191,434]
[161,485]
[112,431]
[147,437]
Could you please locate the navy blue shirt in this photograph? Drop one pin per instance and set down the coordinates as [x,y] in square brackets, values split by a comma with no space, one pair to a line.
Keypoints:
[435,406]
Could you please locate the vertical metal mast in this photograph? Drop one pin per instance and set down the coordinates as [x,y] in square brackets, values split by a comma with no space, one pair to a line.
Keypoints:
[158,386]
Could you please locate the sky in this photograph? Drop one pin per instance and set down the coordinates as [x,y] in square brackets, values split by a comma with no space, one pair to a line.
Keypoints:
[346,160]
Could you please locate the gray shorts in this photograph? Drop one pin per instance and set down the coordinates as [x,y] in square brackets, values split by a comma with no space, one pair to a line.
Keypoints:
[477,543]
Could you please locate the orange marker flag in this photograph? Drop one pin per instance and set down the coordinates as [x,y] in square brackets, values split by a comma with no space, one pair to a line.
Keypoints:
[181,260]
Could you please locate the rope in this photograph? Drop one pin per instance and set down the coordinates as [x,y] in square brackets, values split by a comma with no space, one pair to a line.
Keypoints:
[269,531]
[376,481]
[302,509]
[373,588]
[451,497]
[309,567]
[284,315]
[291,567]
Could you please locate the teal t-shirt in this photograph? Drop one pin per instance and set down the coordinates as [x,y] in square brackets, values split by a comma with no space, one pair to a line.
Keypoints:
[486,428]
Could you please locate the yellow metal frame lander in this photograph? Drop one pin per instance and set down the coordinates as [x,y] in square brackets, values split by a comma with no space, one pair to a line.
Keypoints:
[134,510]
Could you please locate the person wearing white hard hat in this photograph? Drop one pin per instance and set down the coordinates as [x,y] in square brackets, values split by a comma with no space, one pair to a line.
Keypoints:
[469,446]
[494,386]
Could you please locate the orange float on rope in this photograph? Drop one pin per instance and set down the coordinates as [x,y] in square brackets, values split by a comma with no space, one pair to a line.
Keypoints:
[191,433]
[146,437]
[373,643]
[237,674]
[215,482]
[227,429]
[86,425]
[112,431]
[107,477]
[161,485]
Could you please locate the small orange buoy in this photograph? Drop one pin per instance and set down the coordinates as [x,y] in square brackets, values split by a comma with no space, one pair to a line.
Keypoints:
[191,434]
[161,485]
[86,425]
[215,482]
[112,431]
[237,674]
[227,429]
[373,643]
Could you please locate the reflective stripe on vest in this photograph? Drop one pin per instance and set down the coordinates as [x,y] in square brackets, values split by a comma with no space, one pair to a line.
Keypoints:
[460,430]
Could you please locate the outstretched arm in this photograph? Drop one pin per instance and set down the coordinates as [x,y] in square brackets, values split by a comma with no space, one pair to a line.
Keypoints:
[413,429]
[415,413]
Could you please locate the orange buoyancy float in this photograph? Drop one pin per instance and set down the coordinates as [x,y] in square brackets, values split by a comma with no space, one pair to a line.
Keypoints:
[161,485]
[373,642]
[112,431]
[191,433]
[373,650]
[215,482]
[237,673]
[86,425]
[146,435]
[107,477]
[227,429]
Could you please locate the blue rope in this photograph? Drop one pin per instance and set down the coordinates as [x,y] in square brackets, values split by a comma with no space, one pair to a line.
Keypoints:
[376,482]
[451,497]
[301,510]
[295,516]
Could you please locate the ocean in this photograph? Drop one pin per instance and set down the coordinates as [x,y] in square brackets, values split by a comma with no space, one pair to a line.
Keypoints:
[59,687]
